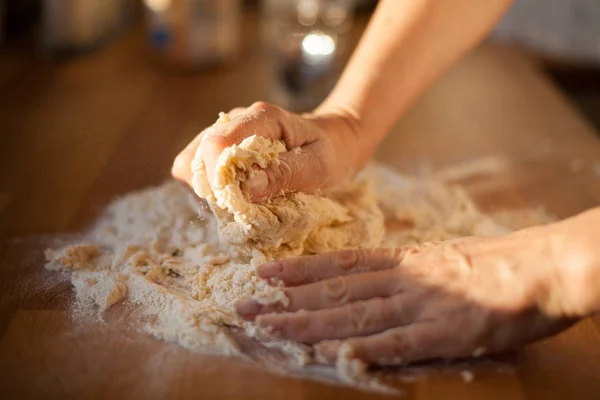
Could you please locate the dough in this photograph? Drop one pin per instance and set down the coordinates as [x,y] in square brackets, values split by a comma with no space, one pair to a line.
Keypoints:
[291,223]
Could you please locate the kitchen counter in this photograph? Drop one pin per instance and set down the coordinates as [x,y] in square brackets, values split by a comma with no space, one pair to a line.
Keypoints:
[76,133]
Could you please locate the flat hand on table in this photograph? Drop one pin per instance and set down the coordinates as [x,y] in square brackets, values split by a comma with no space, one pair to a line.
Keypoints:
[455,299]
[324,149]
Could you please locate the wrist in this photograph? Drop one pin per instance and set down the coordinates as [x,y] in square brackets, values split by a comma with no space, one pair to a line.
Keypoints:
[347,123]
[339,119]
[574,248]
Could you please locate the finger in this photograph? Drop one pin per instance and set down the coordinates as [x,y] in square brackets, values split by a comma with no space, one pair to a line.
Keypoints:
[329,293]
[277,123]
[272,122]
[300,170]
[358,318]
[182,166]
[261,119]
[397,346]
[308,269]
[242,124]
[233,132]
[326,351]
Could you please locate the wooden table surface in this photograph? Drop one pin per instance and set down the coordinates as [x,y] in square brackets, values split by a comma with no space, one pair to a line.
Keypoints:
[76,133]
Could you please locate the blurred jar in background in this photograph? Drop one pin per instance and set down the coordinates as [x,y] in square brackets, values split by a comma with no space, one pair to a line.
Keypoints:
[306,40]
[191,34]
[73,25]
[1,20]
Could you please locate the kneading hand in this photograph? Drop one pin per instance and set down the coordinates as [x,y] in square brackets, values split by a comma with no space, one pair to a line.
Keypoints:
[324,149]
[454,299]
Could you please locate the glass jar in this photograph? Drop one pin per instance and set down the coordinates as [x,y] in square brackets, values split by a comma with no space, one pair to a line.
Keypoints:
[74,25]
[191,34]
[306,40]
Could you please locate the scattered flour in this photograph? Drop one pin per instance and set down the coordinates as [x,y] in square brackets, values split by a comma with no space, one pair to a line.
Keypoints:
[156,250]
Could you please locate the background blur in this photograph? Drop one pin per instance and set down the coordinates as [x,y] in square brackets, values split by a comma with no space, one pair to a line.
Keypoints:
[305,42]
[97,97]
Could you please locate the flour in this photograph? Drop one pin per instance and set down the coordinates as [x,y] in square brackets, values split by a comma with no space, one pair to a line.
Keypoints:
[155,250]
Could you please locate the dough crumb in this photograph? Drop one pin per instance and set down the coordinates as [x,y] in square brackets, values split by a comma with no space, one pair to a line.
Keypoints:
[478,352]
[467,376]
[272,297]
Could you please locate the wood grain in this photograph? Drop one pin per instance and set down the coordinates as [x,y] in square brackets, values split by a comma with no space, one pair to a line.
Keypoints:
[76,133]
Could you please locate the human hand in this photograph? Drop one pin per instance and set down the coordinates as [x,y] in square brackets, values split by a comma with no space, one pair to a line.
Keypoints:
[324,149]
[450,300]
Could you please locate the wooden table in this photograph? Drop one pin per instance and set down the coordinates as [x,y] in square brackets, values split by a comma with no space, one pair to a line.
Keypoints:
[76,133]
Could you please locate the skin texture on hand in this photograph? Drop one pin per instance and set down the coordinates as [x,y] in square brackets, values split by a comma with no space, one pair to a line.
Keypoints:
[448,300]
[324,149]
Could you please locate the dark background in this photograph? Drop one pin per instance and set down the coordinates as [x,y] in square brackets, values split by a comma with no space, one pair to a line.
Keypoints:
[580,82]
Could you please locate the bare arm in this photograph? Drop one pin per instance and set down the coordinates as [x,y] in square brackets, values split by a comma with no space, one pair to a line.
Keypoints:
[408,44]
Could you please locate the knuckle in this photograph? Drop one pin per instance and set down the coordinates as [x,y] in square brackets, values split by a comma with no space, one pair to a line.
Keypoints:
[345,260]
[262,106]
[302,272]
[398,311]
[381,308]
[363,257]
[380,315]
[335,291]
[216,144]
[395,285]
[385,258]
[180,165]
[395,254]
[286,175]
[273,181]
[399,344]
[359,316]
[300,328]
[280,177]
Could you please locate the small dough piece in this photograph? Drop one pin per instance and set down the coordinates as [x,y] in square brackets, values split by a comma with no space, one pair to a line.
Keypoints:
[291,223]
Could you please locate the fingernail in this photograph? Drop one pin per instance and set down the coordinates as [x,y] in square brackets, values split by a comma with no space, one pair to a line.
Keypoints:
[347,259]
[248,309]
[258,184]
[269,270]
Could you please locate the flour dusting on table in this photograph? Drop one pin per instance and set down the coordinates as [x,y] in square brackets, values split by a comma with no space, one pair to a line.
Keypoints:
[157,251]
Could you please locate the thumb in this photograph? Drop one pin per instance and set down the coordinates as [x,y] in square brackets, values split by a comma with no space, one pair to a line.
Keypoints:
[299,170]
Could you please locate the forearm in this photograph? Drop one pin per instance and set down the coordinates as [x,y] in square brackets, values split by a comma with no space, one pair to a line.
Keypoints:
[406,46]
